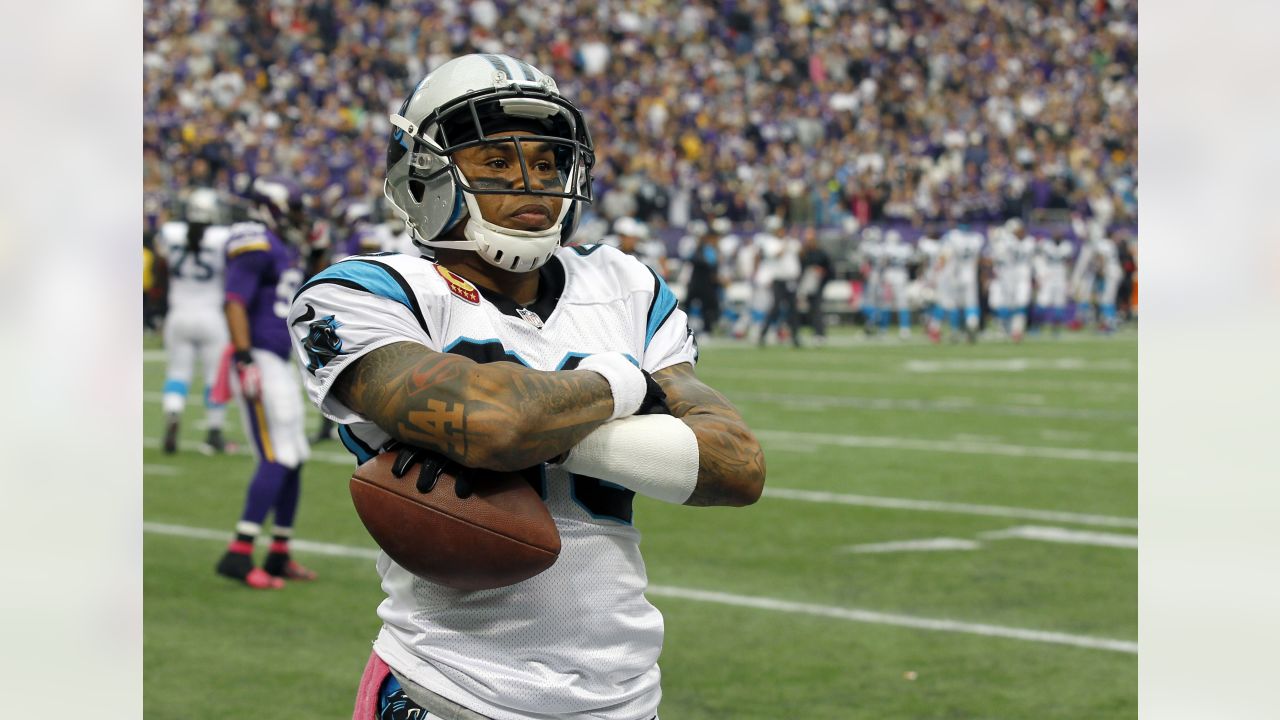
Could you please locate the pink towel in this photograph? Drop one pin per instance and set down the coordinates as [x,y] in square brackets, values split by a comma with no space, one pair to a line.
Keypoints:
[370,683]
[221,391]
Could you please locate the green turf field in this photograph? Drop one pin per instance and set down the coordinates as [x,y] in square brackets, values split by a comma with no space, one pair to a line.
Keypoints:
[1006,475]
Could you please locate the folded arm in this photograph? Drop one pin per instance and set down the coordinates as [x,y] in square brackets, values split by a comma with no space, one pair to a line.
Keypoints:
[730,462]
[500,416]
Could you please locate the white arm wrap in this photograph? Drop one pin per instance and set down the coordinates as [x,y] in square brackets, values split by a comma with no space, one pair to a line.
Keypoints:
[654,455]
[626,382]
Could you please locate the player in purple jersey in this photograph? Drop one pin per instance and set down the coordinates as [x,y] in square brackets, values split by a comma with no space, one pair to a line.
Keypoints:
[264,269]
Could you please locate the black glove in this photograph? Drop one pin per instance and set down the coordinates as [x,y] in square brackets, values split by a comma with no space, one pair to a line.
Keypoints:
[655,398]
[430,465]
[433,464]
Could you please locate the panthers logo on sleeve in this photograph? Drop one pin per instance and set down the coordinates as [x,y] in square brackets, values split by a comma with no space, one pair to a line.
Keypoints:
[322,342]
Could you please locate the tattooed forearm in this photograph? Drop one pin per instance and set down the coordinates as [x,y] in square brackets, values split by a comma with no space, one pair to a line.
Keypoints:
[730,462]
[500,416]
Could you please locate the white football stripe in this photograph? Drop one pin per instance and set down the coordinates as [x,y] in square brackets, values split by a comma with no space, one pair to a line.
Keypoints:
[1001,384]
[953,508]
[1064,535]
[947,446]
[909,621]
[987,365]
[948,405]
[153,469]
[318,548]
[924,545]
[760,603]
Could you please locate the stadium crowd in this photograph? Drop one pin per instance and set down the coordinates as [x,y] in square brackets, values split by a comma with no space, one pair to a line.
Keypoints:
[893,111]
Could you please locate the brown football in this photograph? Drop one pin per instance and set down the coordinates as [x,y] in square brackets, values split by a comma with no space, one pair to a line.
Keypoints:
[499,535]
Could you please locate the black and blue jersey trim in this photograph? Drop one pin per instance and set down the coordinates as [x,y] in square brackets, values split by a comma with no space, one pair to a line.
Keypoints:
[372,277]
[660,308]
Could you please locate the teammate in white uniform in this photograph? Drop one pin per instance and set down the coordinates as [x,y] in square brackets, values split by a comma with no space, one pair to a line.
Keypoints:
[963,250]
[935,284]
[1097,271]
[194,326]
[871,249]
[897,256]
[473,358]
[632,237]
[780,263]
[1012,253]
[1053,257]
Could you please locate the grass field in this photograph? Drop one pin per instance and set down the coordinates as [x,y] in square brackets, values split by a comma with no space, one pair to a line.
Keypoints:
[946,532]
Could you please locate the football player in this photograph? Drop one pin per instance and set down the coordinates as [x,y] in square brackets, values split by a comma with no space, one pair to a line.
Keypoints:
[780,262]
[702,299]
[1097,270]
[932,286]
[358,234]
[1012,253]
[632,237]
[194,327]
[265,266]
[897,256]
[514,351]
[964,250]
[1051,264]
[871,250]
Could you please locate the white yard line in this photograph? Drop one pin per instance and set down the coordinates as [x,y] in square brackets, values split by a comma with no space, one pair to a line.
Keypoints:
[1063,535]
[153,469]
[318,548]
[345,459]
[909,621]
[950,405]
[1015,365]
[922,545]
[948,507]
[881,442]
[759,603]
[1005,383]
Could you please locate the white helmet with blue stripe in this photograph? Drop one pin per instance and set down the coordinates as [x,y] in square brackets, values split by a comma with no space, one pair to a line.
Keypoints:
[462,104]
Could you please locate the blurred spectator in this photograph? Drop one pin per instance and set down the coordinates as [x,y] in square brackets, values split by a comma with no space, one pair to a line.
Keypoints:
[921,110]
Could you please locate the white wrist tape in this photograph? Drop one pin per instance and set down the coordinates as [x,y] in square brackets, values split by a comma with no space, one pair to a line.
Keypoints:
[654,455]
[626,382]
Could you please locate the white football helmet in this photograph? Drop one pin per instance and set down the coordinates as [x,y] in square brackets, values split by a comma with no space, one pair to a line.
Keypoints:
[202,206]
[462,104]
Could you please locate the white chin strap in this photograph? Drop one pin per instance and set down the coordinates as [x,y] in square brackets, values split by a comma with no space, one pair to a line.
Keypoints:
[511,250]
[506,248]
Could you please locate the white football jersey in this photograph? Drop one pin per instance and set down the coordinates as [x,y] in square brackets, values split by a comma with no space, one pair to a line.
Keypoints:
[964,249]
[1053,256]
[579,640]
[897,256]
[195,278]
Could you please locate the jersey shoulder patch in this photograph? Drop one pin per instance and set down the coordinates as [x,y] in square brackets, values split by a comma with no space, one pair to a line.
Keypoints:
[459,285]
